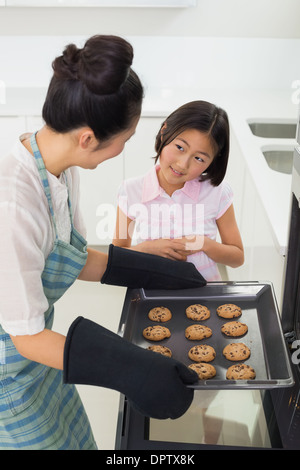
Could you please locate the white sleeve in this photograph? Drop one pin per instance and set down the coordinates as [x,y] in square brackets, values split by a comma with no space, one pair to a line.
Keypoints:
[226,199]
[22,300]
[122,199]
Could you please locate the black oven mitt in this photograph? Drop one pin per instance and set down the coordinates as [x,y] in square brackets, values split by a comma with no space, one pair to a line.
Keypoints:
[136,270]
[153,383]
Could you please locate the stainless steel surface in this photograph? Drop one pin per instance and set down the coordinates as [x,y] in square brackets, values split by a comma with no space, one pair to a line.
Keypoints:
[280,160]
[264,337]
[277,130]
[296,174]
[298,127]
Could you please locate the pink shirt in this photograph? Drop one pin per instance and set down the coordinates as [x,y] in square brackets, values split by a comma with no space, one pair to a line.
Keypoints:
[193,209]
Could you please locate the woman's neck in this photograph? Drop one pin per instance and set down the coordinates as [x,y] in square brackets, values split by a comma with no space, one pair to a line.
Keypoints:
[55,149]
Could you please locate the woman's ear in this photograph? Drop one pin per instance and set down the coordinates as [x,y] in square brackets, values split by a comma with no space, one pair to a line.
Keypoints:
[86,139]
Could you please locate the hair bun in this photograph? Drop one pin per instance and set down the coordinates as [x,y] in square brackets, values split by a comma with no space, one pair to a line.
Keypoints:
[66,66]
[105,63]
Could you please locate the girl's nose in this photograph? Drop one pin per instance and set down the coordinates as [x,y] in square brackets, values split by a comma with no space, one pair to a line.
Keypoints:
[183,162]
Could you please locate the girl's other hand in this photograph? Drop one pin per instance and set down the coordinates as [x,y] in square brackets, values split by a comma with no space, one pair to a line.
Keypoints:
[193,243]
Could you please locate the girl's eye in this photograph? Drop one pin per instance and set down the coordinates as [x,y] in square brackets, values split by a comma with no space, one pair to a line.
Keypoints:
[179,147]
[199,159]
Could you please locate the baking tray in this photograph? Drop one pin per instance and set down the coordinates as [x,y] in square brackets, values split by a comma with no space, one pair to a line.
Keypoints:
[269,354]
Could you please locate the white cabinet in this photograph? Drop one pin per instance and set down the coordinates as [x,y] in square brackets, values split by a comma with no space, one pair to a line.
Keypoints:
[11,127]
[139,152]
[98,197]
[34,123]
[98,3]
[263,262]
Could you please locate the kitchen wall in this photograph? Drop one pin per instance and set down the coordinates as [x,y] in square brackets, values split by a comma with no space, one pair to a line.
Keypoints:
[167,62]
[218,44]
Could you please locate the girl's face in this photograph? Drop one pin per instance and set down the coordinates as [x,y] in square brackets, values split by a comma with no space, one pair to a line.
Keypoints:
[184,159]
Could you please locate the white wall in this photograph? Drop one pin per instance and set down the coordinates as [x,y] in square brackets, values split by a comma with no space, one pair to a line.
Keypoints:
[167,62]
[216,18]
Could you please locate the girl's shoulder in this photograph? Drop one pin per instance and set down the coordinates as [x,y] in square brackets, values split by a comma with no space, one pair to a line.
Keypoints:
[132,188]
[134,183]
[222,189]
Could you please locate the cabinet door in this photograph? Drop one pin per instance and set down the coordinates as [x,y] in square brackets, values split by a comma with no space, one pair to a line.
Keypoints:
[139,151]
[235,176]
[34,123]
[11,127]
[98,196]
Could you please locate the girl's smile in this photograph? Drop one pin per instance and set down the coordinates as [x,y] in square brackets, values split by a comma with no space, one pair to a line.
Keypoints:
[178,173]
[184,159]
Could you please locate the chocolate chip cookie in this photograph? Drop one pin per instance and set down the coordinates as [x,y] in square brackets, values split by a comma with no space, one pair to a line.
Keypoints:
[160,314]
[236,352]
[234,328]
[161,350]
[197,312]
[204,371]
[229,311]
[196,332]
[202,353]
[156,333]
[240,372]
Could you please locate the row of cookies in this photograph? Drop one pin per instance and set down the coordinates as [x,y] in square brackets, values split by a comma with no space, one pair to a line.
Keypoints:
[195,312]
[235,351]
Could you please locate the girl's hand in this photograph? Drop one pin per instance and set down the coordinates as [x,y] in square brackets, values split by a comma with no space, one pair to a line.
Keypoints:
[165,247]
[193,243]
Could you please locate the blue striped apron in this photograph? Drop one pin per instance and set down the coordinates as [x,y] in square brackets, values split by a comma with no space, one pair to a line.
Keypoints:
[37,410]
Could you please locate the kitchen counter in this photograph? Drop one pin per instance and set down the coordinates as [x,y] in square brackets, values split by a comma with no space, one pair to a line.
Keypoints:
[241,105]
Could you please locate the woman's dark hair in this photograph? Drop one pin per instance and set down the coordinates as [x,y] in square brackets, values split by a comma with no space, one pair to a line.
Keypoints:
[204,117]
[95,87]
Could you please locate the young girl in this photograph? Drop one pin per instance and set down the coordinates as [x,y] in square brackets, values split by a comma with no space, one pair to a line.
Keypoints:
[180,204]
[92,108]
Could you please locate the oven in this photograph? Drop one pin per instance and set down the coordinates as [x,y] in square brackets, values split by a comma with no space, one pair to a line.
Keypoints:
[224,413]
[287,402]
[259,414]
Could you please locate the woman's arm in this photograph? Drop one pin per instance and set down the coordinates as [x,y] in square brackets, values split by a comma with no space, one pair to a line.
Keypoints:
[95,266]
[165,247]
[46,347]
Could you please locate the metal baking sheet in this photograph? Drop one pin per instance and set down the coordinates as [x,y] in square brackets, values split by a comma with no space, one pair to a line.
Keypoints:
[269,355]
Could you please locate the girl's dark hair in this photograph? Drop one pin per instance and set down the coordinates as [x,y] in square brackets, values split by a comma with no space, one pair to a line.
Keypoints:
[95,87]
[206,118]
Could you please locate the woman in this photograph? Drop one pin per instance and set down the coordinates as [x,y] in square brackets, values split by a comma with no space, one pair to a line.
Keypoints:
[91,109]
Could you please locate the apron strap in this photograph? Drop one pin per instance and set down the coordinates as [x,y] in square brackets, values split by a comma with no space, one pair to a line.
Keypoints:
[44,178]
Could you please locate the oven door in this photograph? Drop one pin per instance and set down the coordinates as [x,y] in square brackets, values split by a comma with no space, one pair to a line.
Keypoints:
[216,420]
[287,402]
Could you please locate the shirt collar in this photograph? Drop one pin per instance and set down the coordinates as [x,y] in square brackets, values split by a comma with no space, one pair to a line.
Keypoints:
[152,189]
